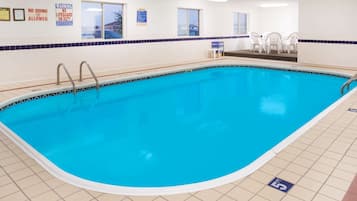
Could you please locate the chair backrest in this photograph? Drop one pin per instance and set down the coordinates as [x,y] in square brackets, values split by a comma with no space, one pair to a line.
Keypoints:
[273,38]
[255,37]
[293,38]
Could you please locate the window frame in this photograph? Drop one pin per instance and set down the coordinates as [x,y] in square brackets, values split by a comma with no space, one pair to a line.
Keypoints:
[188,19]
[102,28]
[236,19]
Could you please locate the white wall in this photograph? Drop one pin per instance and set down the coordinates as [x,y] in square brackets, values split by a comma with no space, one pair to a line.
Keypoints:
[25,65]
[284,20]
[328,20]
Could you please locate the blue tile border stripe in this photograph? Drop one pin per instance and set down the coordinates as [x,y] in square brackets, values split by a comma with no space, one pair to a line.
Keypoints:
[111,42]
[346,42]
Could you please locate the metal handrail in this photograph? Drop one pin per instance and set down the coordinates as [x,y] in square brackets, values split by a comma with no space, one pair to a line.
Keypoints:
[69,76]
[90,70]
[348,84]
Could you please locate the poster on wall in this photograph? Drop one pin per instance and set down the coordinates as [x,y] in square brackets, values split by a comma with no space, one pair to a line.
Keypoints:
[4,14]
[141,16]
[64,14]
[37,14]
[19,14]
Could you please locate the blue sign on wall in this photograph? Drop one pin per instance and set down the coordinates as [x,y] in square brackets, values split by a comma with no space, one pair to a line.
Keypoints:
[281,184]
[141,16]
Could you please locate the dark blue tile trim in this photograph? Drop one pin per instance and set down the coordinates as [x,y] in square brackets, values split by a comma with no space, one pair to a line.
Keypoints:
[346,42]
[112,42]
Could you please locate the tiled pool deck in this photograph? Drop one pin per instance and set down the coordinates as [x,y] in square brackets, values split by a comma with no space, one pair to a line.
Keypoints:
[322,163]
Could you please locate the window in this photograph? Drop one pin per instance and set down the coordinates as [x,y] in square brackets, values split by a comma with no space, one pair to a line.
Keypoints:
[102,20]
[188,22]
[240,23]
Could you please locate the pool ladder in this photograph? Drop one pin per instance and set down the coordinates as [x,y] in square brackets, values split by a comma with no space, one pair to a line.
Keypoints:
[348,84]
[80,75]
[91,72]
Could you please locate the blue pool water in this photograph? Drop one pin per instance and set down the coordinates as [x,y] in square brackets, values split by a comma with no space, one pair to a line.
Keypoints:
[172,130]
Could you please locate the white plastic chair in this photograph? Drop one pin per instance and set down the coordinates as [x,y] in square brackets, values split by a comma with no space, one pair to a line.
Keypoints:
[256,42]
[273,41]
[291,43]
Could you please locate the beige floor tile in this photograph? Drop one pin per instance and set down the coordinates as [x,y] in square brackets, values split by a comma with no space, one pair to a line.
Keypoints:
[349,160]
[333,155]
[224,188]
[351,153]
[309,155]
[160,199]
[66,190]
[225,198]
[298,169]
[14,167]
[28,181]
[286,156]
[267,168]
[30,162]
[36,189]
[94,193]
[299,145]
[302,193]
[110,197]
[320,197]
[251,185]
[310,184]
[293,150]
[348,176]
[315,150]
[289,176]
[177,197]
[54,183]
[338,183]
[340,148]
[8,189]
[80,195]
[21,174]
[9,161]
[4,180]
[271,194]
[261,177]
[277,162]
[328,161]
[192,198]
[45,175]
[332,192]
[347,167]
[238,193]
[290,198]
[209,195]
[258,198]
[303,162]
[320,167]
[37,168]
[48,196]
[143,198]
[19,196]
[317,176]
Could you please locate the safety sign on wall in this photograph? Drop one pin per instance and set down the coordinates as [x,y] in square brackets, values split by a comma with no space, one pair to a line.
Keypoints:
[64,14]
[37,14]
